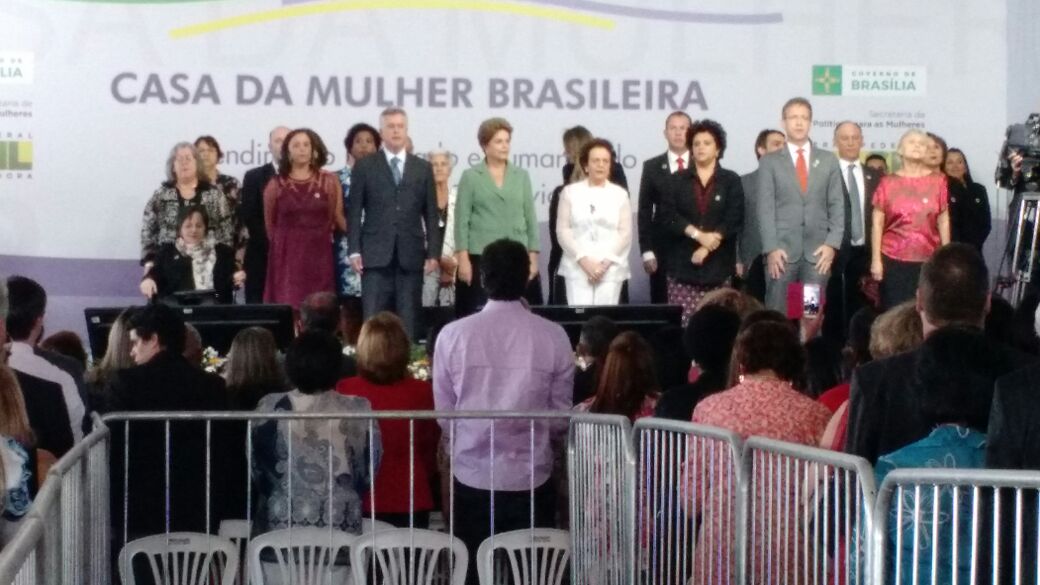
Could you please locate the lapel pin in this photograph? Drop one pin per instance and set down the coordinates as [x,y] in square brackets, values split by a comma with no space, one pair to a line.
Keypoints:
[718,198]
[815,163]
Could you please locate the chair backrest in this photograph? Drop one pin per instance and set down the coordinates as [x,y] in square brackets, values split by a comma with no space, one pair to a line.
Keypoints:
[370,525]
[406,556]
[537,556]
[180,558]
[238,532]
[303,555]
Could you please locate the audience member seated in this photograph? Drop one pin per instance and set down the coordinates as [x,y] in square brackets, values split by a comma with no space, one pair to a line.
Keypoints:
[708,339]
[855,353]
[329,468]
[28,304]
[503,358]
[68,344]
[769,359]
[409,449]
[823,361]
[164,381]
[192,345]
[320,312]
[954,399]
[253,369]
[953,291]
[737,301]
[17,457]
[628,384]
[194,262]
[671,362]
[593,343]
[1000,322]
[117,357]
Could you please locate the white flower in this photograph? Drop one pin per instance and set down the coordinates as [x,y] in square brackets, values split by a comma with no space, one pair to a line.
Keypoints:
[349,350]
[815,163]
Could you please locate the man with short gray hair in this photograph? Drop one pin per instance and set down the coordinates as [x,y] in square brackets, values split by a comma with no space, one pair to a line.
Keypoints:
[398,238]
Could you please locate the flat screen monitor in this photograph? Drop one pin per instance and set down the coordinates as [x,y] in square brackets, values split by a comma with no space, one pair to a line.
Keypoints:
[217,324]
[644,319]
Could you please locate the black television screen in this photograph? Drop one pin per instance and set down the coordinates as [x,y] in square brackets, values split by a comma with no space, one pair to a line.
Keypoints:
[644,319]
[217,324]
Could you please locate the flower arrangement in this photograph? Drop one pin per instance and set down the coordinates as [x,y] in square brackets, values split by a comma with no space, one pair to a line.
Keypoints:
[212,362]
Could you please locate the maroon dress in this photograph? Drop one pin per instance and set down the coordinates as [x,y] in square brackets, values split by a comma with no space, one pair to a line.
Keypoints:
[299,230]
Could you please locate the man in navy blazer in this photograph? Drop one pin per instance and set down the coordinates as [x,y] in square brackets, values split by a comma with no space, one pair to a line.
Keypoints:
[393,193]
[801,208]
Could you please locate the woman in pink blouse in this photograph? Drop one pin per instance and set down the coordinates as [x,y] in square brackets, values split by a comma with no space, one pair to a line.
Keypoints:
[768,359]
[911,212]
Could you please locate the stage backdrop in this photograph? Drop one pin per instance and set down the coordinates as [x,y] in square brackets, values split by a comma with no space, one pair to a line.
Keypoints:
[93,94]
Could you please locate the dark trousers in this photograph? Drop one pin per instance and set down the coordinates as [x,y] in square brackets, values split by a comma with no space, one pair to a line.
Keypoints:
[755,279]
[393,288]
[659,283]
[470,298]
[898,282]
[473,521]
[255,264]
[844,295]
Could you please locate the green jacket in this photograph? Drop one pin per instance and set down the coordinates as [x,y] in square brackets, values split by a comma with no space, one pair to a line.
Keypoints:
[484,213]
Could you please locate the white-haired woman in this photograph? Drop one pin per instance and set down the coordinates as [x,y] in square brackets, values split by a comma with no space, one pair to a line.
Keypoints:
[439,285]
[185,186]
[911,212]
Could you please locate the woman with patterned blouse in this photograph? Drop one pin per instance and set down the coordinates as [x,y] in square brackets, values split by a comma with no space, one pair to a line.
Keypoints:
[911,212]
[327,462]
[185,186]
[361,141]
[768,358]
[17,456]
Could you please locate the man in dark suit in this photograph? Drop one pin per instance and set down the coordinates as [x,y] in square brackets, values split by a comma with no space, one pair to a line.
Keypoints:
[844,294]
[652,239]
[164,381]
[800,208]
[749,248]
[251,215]
[953,293]
[398,239]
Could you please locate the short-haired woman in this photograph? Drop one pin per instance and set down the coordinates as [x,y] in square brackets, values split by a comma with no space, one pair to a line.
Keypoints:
[409,464]
[185,186]
[439,285]
[769,360]
[495,201]
[361,140]
[194,262]
[253,369]
[344,450]
[594,228]
[303,207]
[912,216]
[703,211]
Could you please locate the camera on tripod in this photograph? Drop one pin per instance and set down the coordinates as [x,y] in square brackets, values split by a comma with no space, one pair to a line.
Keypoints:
[1023,139]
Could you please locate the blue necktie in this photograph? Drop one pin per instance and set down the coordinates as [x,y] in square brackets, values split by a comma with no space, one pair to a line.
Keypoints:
[395,167]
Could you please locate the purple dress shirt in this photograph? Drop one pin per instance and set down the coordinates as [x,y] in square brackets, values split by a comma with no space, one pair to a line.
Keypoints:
[503,358]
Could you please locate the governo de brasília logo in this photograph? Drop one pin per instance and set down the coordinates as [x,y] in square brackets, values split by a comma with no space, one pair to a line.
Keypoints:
[826,79]
[591,13]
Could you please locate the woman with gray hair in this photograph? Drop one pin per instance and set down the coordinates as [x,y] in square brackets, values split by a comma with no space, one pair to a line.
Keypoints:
[185,186]
[439,285]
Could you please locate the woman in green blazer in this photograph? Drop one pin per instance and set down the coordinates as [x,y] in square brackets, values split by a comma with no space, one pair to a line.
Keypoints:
[494,201]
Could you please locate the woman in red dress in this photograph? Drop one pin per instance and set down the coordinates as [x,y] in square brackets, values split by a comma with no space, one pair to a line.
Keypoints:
[303,207]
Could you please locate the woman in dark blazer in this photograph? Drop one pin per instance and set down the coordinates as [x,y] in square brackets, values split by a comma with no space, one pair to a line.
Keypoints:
[970,217]
[703,210]
[195,261]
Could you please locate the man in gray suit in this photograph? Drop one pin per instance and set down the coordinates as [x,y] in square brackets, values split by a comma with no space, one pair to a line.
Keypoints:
[801,208]
[394,192]
[749,247]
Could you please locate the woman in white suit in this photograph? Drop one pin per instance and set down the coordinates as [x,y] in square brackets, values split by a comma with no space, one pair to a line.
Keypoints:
[594,227]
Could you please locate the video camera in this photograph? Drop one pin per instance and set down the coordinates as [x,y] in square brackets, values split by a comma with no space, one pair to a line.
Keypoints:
[1023,139]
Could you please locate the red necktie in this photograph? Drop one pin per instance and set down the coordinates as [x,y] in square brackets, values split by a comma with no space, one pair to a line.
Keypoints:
[679,166]
[802,171]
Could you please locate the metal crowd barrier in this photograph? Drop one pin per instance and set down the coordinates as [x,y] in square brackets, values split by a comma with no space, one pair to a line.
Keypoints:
[957,526]
[688,520]
[602,502]
[65,536]
[809,514]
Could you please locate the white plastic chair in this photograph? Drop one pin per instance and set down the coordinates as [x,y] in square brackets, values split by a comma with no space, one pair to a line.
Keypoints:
[180,558]
[304,555]
[537,556]
[370,525]
[238,532]
[406,556]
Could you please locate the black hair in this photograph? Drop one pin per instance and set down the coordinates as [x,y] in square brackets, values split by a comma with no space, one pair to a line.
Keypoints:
[763,137]
[596,335]
[876,156]
[320,311]
[313,361]
[583,157]
[27,303]
[160,321]
[967,170]
[954,285]
[711,127]
[955,372]
[358,128]
[709,337]
[770,346]
[504,268]
[190,210]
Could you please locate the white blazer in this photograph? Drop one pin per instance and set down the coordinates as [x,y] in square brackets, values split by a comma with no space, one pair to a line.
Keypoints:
[594,222]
